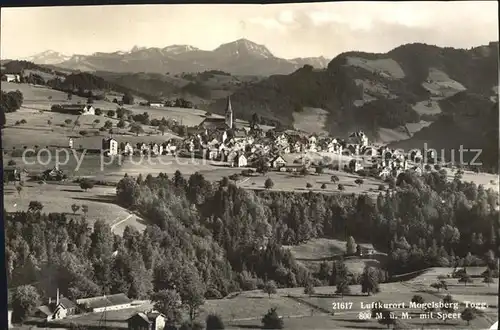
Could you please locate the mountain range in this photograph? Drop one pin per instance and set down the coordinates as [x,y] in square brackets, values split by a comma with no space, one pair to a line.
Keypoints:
[241,57]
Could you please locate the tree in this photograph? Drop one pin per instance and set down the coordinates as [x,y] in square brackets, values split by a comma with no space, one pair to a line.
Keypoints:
[162,129]
[19,189]
[448,305]
[70,96]
[98,112]
[68,121]
[121,124]
[95,122]
[350,245]
[128,98]
[341,187]
[272,320]
[168,302]
[108,124]
[110,113]
[192,292]
[437,285]
[35,206]
[468,315]
[24,299]
[214,322]
[308,185]
[49,122]
[465,278]
[343,286]
[359,182]
[334,179]
[12,162]
[85,209]
[323,186]
[86,184]
[75,208]
[268,184]
[319,169]
[417,299]
[369,281]
[309,288]
[136,128]
[488,277]
[270,288]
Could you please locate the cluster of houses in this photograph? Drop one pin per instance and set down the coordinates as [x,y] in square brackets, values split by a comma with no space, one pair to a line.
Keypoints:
[220,139]
[109,146]
[61,308]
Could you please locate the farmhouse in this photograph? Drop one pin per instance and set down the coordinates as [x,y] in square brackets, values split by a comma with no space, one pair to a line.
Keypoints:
[278,162]
[109,146]
[74,109]
[146,321]
[12,77]
[105,303]
[56,310]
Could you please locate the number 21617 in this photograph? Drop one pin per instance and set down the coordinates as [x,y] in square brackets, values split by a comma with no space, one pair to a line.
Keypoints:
[342,305]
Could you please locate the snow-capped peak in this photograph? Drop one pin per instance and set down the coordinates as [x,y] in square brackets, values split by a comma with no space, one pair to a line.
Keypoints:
[244,46]
[179,49]
[48,57]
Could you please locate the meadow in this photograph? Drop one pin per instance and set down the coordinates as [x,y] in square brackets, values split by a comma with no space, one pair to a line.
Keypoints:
[58,198]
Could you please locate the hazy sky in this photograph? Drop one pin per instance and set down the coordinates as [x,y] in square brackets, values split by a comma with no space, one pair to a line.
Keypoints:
[306,29]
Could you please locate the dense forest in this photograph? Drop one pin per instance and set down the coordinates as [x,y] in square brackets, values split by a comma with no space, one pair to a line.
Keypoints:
[221,238]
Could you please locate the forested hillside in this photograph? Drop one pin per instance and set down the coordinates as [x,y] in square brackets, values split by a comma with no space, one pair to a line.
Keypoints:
[213,239]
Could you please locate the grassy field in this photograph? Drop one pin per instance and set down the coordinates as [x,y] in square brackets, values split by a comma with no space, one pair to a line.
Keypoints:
[59,198]
[311,120]
[291,182]
[387,66]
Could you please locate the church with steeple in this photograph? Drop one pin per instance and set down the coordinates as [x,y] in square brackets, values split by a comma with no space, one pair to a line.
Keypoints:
[229,113]
[220,123]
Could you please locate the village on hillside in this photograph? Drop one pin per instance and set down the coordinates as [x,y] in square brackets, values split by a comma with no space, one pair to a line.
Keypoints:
[330,174]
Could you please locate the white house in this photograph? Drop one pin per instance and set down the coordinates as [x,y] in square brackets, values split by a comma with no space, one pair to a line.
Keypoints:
[278,162]
[88,110]
[128,149]
[109,146]
[240,161]
[12,77]
[156,105]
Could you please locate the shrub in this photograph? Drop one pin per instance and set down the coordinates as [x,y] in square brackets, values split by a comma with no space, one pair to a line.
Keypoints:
[323,186]
[381,187]
[23,121]
[341,186]
[86,184]
[272,320]
[308,185]
[98,111]
[214,322]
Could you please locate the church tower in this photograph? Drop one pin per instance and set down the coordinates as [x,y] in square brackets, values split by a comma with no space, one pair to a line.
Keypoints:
[229,113]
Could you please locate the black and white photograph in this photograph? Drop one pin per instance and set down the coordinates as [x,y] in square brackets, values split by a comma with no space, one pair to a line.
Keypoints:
[300,166]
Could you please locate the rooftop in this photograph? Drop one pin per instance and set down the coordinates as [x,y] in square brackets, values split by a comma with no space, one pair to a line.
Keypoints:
[104,301]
